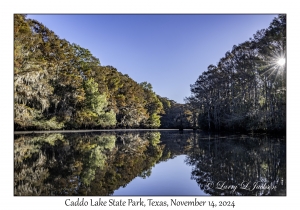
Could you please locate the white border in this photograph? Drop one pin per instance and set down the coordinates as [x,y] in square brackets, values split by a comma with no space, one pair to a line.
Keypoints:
[8,201]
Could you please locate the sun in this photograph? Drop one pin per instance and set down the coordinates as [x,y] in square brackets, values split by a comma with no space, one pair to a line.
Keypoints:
[274,65]
[281,61]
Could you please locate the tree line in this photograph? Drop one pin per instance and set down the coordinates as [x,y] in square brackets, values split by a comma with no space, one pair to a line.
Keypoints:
[246,90]
[59,85]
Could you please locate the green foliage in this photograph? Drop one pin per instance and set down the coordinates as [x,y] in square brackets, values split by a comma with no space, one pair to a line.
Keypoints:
[153,137]
[48,124]
[107,119]
[96,157]
[153,121]
[94,101]
[93,112]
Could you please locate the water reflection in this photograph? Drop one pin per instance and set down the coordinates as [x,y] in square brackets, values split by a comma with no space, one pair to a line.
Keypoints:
[240,165]
[101,163]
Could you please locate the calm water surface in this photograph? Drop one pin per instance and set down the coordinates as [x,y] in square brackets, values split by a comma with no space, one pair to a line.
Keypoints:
[149,163]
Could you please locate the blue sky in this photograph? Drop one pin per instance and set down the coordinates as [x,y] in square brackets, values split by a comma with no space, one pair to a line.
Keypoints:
[169,51]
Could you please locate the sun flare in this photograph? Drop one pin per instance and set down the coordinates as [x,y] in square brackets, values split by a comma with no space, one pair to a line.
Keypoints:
[281,61]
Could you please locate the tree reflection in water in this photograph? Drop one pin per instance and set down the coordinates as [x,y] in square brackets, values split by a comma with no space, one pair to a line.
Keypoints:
[245,165]
[82,164]
[100,163]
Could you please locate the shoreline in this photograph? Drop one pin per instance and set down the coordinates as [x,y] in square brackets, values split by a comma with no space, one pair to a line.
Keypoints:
[92,130]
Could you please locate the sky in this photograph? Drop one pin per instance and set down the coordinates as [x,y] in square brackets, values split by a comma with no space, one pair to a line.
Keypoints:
[168,51]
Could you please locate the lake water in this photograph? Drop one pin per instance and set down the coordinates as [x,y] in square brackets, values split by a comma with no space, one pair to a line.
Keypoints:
[166,163]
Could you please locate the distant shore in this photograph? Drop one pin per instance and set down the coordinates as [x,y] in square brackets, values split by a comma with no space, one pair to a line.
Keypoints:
[95,130]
